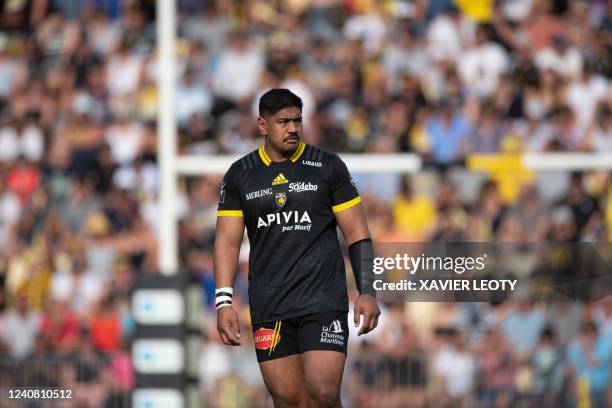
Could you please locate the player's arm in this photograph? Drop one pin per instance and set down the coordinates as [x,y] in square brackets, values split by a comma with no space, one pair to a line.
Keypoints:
[350,215]
[228,237]
[354,228]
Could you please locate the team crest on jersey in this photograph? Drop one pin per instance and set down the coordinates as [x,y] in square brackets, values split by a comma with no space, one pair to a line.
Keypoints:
[280,179]
[281,199]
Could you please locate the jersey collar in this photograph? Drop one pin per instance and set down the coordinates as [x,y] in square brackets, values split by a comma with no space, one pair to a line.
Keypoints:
[264,156]
[266,159]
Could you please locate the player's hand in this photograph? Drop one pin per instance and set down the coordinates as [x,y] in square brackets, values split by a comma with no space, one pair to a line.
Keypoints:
[367,306]
[228,326]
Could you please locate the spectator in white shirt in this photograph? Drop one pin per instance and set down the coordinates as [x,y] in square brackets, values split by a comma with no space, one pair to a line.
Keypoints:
[124,71]
[124,138]
[444,36]
[403,56]
[191,98]
[239,69]
[584,94]
[77,285]
[19,328]
[481,65]
[454,367]
[368,28]
[600,137]
[561,57]
[21,138]
[10,211]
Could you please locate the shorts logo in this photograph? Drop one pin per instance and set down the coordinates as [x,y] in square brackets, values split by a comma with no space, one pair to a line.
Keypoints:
[280,179]
[333,333]
[267,339]
[335,327]
[281,199]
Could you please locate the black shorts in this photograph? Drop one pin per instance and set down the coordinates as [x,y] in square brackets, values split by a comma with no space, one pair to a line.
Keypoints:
[316,331]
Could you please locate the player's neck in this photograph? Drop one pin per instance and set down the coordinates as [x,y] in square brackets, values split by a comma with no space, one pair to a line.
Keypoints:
[277,156]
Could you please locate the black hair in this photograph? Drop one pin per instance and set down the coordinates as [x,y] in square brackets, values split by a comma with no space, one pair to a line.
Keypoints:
[548,333]
[277,99]
[589,327]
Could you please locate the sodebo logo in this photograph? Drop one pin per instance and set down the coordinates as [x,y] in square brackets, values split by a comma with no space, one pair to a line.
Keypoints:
[302,186]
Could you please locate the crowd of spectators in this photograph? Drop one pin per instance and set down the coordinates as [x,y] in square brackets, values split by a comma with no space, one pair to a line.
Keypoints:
[433,78]
[442,79]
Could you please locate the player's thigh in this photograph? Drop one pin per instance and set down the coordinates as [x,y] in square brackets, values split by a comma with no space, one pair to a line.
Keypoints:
[323,370]
[277,350]
[284,379]
[322,338]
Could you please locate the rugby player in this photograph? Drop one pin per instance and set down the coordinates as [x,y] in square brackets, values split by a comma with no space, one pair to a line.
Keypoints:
[291,196]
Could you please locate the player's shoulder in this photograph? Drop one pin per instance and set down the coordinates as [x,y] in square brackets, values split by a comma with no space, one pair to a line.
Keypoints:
[246,163]
[318,157]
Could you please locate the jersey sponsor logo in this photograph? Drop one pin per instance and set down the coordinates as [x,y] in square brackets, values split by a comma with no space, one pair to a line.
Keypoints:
[280,179]
[302,186]
[259,193]
[266,338]
[281,199]
[284,218]
[222,193]
[333,333]
[312,163]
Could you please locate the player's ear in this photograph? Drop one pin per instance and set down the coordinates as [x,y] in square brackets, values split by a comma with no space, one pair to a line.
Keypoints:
[261,125]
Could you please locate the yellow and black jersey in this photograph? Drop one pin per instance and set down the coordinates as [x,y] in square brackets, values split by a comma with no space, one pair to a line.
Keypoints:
[295,262]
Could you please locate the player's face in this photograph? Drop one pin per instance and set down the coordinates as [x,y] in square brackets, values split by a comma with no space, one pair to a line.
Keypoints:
[283,129]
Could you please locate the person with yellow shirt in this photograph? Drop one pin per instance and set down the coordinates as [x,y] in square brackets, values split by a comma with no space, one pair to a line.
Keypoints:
[414,213]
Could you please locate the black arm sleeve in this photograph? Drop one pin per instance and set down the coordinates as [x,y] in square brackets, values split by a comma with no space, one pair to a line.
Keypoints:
[361,254]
